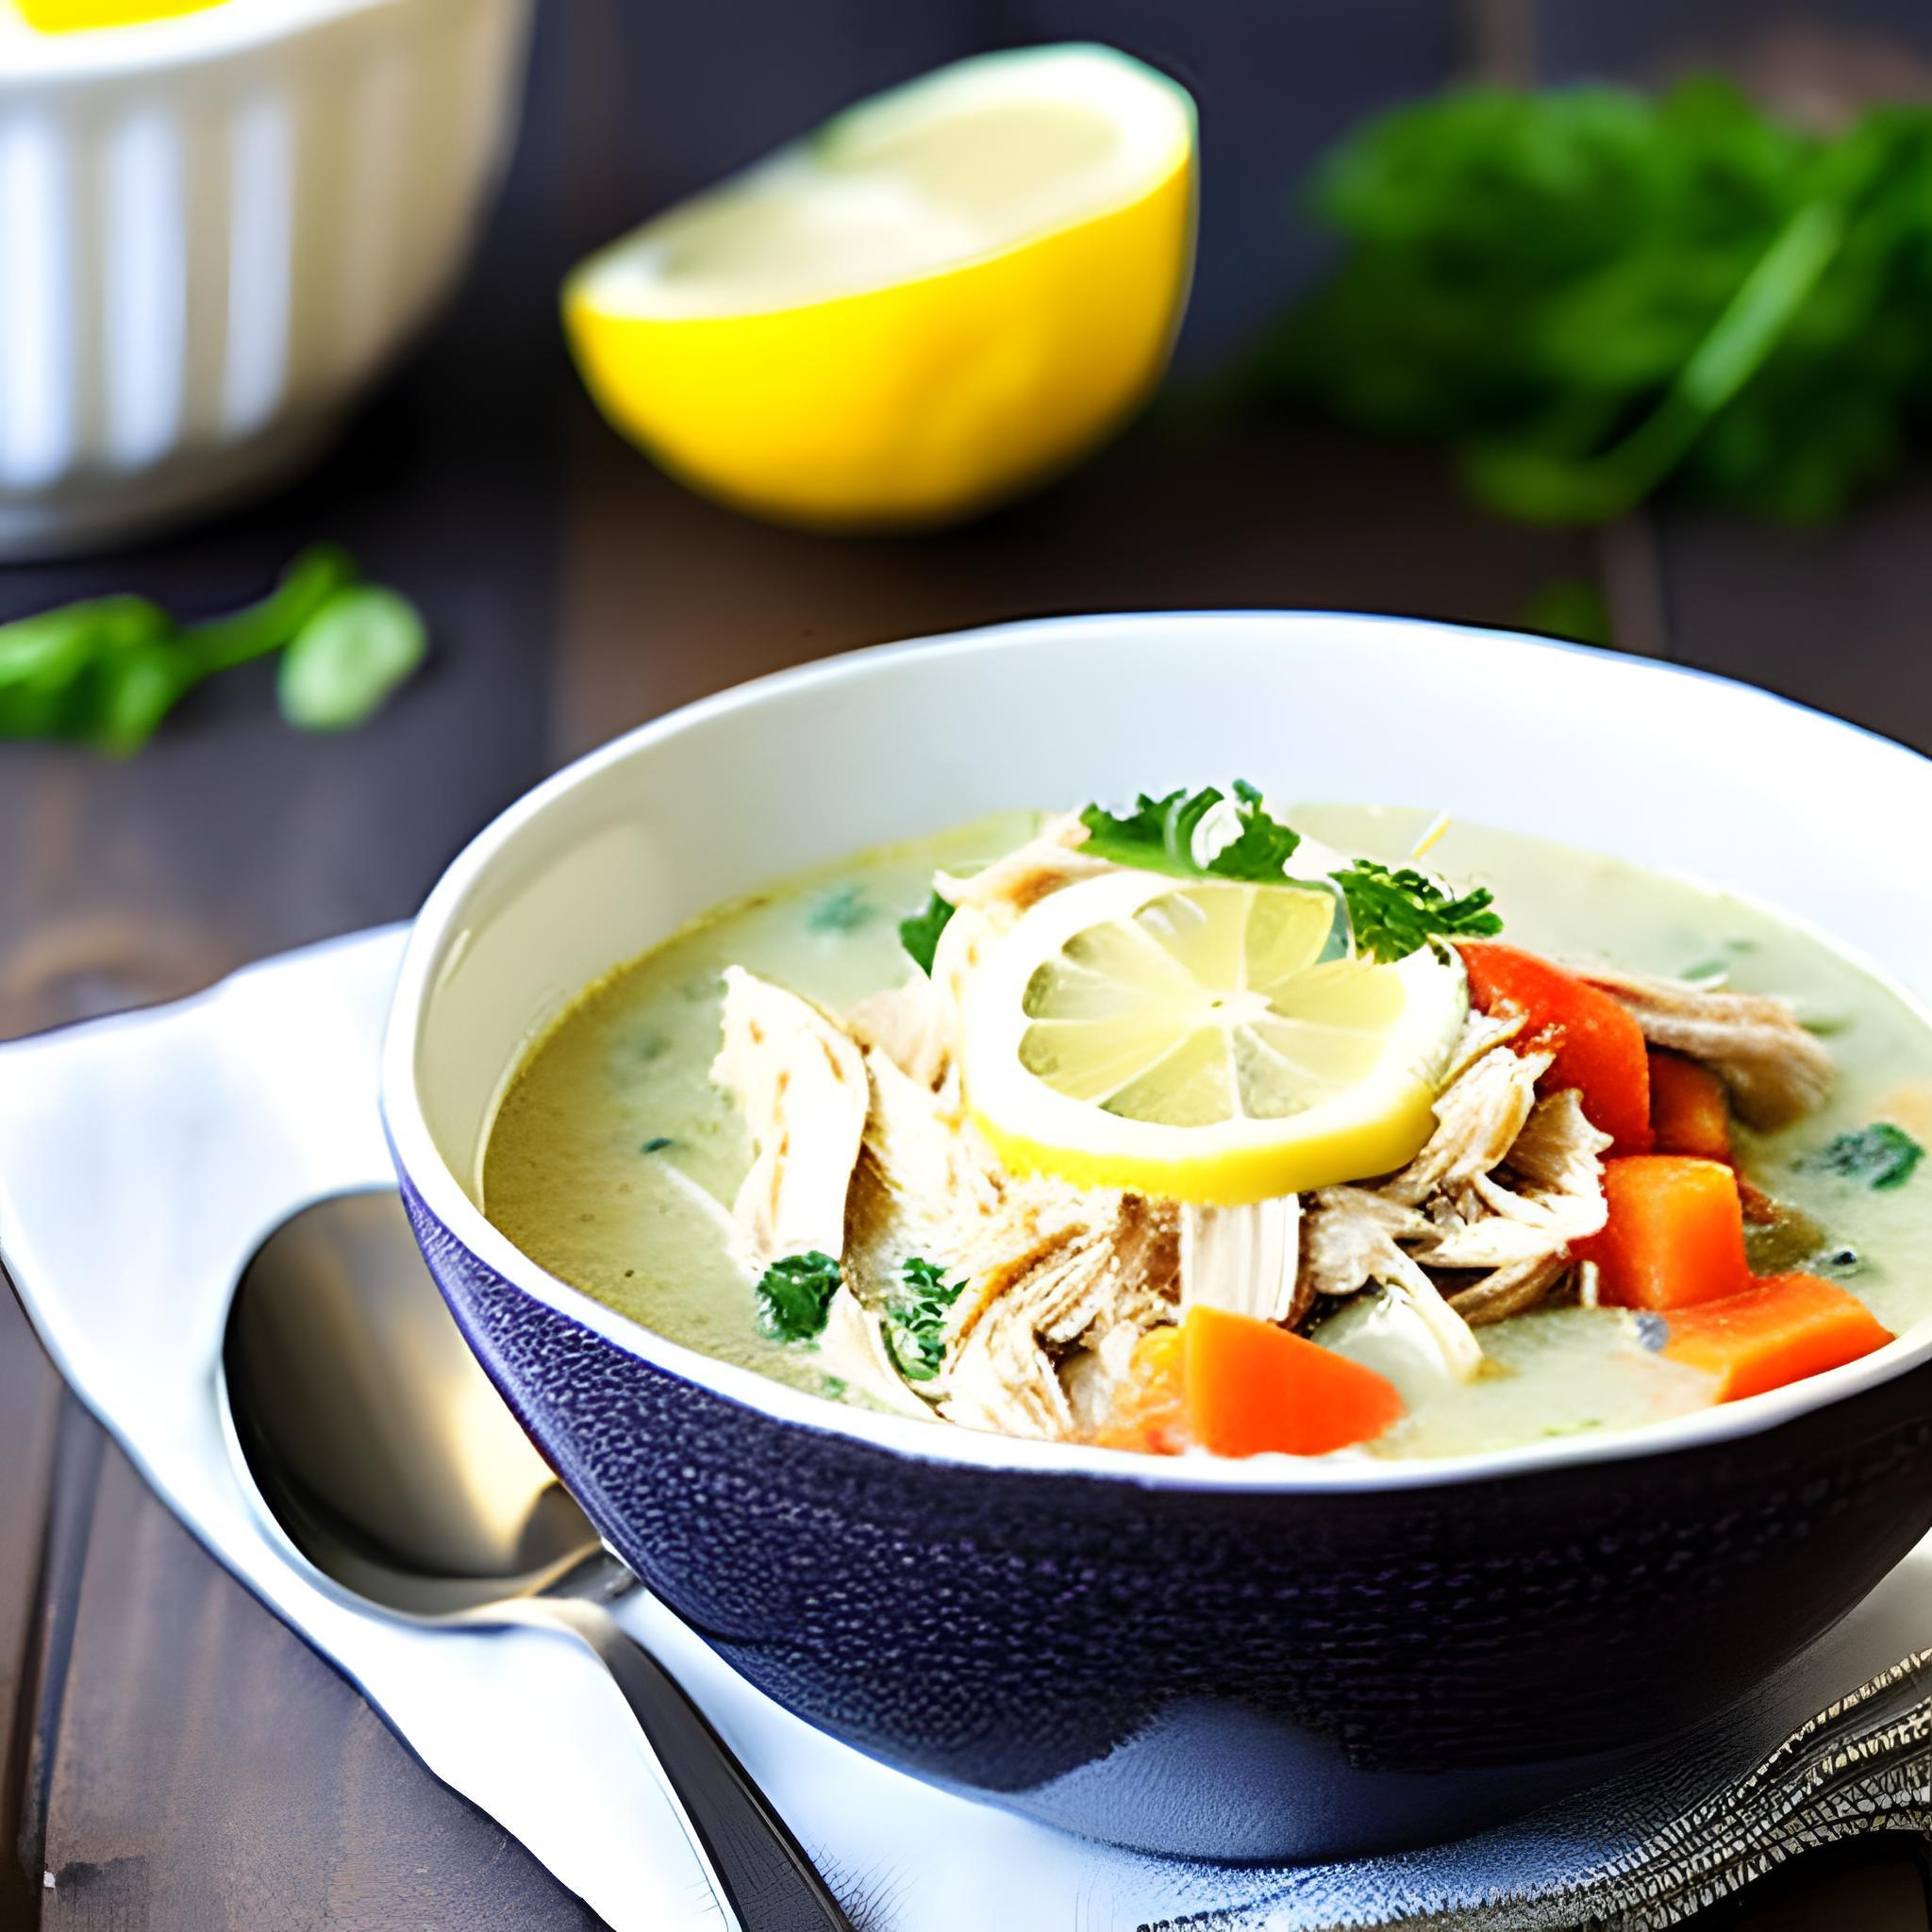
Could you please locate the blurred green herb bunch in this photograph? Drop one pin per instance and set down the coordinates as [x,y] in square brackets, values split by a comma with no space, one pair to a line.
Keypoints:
[105,672]
[1590,293]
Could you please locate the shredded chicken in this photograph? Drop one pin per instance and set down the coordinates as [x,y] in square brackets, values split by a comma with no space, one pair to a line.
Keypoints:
[1043,1266]
[910,1025]
[1083,1278]
[934,1167]
[1511,1290]
[1774,1069]
[1246,1260]
[1557,1161]
[1349,1239]
[1480,1033]
[803,1089]
[917,1024]
[1504,1185]
[1050,859]
[1096,1372]
[1517,1220]
[1478,1117]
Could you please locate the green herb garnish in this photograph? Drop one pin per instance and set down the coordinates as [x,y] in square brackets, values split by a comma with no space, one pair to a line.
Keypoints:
[1392,912]
[1589,293]
[1395,913]
[342,664]
[919,934]
[794,1295]
[917,1334]
[657,1144]
[844,909]
[105,672]
[1880,1156]
[1158,836]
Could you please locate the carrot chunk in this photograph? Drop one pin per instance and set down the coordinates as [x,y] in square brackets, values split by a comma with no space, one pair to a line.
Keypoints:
[1599,1046]
[1674,1236]
[1780,1329]
[1252,1387]
[1150,1412]
[1688,1113]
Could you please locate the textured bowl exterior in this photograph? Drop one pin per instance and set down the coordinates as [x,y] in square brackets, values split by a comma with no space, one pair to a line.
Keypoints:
[208,256]
[1216,1673]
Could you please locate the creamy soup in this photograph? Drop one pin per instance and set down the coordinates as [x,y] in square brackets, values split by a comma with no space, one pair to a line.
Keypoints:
[616,1158]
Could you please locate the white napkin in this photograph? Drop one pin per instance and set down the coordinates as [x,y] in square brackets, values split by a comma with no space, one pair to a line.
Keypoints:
[1840,1741]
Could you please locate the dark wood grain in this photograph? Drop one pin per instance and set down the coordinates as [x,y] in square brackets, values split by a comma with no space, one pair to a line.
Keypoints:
[210,1770]
[1197,506]
[174,1757]
[30,1399]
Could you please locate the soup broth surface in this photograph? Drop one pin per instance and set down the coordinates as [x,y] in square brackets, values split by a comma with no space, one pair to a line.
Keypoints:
[613,1161]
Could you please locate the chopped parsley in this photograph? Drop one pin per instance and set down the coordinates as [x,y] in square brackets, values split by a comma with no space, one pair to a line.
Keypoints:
[917,1334]
[1880,1156]
[919,934]
[1392,913]
[794,1295]
[658,1143]
[843,908]
[1395,913]
[1159,835]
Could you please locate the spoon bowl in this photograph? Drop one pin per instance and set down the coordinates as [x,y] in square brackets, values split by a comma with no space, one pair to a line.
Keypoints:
[391,1464]
[375,1440]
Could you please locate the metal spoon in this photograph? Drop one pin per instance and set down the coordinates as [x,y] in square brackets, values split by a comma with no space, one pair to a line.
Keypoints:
[382,1450]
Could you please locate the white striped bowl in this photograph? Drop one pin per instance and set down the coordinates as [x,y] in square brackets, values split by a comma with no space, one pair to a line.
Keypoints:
[215,231]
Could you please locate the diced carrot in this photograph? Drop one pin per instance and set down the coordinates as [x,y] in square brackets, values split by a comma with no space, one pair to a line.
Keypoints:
[1599,1046]
[1688,1113]
[1780,1329]
[1150,1412]
[1253,1387]
[1674,1236]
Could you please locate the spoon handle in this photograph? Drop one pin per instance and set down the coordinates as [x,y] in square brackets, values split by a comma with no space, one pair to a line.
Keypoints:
[770,1882]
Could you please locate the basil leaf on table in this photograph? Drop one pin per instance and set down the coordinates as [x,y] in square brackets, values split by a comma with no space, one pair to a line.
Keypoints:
[344,663]
[107,671]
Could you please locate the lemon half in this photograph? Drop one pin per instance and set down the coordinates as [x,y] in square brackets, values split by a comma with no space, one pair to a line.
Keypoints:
[944,294]
[81,16]
[1203,1041]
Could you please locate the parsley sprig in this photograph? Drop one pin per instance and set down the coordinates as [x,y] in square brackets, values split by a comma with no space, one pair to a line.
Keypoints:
[916,1334]
[1396,913]
[1881,1156]
[794,1296]
[919,934]
[1392,913]
[1160,834]
[1592,294]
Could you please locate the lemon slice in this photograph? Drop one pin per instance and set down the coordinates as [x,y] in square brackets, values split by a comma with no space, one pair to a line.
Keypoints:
[939,296]
[1204,1040]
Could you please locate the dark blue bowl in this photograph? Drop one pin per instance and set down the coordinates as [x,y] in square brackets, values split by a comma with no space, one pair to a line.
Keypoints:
[1220,1674]
[1240,1661]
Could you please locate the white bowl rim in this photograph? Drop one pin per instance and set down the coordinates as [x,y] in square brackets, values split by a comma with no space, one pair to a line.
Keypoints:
[181,40]
[441,1192]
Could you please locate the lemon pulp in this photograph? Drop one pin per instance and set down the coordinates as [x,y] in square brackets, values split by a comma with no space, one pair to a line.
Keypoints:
[1208,1040]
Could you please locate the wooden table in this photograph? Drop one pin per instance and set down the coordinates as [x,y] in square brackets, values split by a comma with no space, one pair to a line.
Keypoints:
[173,1756]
